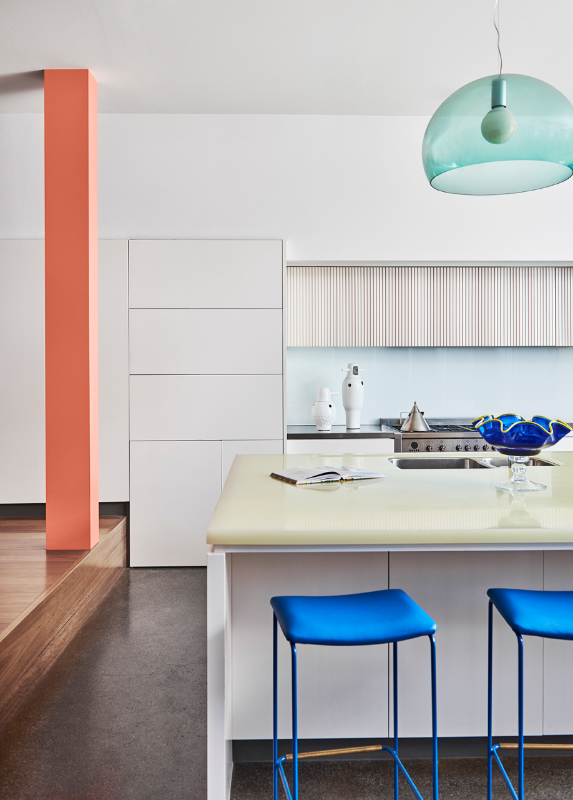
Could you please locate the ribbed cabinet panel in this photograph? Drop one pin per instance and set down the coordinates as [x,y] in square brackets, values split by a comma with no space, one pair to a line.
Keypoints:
[429,306]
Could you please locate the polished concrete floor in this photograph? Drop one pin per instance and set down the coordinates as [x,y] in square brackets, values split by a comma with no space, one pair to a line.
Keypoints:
[460,779]
[122,716]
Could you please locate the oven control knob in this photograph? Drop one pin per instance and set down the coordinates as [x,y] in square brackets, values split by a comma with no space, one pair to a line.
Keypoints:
[493,448]
[467,447]
[458,447]
[486,447]
[441,447]
[476,446]
[428,447]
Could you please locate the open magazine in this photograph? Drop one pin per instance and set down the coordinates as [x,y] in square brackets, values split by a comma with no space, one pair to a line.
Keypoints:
[299,476]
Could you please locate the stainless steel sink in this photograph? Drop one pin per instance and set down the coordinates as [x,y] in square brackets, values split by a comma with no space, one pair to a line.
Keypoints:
[503,461]
[462,463]
[437,463]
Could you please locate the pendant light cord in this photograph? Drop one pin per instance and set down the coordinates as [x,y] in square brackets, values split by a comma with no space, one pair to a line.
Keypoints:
[496,26]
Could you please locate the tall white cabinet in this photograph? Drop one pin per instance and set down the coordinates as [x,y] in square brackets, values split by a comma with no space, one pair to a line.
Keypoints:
[206,344]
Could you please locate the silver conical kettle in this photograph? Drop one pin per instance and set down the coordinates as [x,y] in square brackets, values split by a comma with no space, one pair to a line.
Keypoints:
[415,421]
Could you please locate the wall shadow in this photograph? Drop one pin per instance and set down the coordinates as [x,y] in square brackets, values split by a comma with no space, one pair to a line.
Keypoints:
[17,82]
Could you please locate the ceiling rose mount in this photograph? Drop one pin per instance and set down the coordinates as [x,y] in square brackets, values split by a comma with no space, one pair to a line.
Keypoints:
[501,134]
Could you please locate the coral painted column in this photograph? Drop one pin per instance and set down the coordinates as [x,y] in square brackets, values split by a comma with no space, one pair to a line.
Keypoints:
[70,141]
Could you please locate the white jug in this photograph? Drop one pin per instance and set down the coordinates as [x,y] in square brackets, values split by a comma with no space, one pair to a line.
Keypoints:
[352,396]
[324,410]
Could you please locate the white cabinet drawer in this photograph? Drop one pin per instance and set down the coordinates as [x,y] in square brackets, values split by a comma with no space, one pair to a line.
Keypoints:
[257,448]
[338,447]
[174,490]
[205,341]
[205,274]
[206,407]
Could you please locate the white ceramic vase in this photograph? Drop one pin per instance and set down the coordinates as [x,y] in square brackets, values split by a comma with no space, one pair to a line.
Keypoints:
[324,410]
[352,396]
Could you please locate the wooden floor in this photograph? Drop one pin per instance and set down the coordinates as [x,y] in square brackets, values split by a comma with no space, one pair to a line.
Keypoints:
[45,597]
[27,570]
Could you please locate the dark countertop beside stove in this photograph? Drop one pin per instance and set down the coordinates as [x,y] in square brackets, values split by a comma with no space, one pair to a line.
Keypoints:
[340,432]
[381,431]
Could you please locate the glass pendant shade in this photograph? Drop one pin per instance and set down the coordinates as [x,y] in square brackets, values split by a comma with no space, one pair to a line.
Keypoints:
[529,142]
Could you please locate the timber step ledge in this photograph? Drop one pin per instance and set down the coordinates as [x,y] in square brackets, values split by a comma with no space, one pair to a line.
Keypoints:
[45,598]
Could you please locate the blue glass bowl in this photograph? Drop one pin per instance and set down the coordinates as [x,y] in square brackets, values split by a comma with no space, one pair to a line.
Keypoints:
[512,435]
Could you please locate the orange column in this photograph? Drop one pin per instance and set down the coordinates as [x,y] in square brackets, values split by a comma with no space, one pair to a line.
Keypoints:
[70,139]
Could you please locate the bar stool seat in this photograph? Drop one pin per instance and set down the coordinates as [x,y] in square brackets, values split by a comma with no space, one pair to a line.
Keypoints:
[379,617]
[536,613]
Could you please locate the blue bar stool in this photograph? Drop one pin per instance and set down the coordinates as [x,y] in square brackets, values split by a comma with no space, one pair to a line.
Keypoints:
[347,620]
[528,613]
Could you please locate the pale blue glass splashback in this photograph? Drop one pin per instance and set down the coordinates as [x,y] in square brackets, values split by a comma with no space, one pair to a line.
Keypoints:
[445,381]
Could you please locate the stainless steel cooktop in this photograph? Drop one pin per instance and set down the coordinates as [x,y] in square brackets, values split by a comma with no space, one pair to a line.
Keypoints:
[445,435]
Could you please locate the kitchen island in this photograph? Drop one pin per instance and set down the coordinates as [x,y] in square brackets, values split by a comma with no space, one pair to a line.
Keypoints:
[444,536]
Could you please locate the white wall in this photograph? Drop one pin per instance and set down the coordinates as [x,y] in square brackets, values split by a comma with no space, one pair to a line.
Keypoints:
[22,411]
[335,188]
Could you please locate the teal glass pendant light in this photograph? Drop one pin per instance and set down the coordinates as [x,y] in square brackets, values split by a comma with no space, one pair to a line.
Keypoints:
[501,134]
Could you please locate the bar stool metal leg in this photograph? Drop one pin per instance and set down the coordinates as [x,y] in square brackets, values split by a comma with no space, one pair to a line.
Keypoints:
[489,700]
[520,752]
[395,669]
[492,750]
[275,713]
[294,726]
[434,720]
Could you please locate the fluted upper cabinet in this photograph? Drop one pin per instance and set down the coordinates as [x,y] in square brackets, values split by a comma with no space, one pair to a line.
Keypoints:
[385,306]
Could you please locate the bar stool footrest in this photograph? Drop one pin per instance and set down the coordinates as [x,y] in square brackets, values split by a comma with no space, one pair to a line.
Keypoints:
[322,753]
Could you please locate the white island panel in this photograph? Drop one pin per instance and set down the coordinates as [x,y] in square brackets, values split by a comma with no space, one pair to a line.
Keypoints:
[558,654]
[452,588]
[342,691]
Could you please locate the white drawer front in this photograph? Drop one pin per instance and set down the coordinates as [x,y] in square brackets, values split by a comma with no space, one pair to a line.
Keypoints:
[205,274]
[205,341]
[206,407]
[175,487]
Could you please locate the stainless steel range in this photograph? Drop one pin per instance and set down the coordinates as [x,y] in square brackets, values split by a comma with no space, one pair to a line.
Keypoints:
[448,436]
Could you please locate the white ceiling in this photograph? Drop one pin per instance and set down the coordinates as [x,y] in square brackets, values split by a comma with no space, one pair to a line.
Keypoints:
[374,57]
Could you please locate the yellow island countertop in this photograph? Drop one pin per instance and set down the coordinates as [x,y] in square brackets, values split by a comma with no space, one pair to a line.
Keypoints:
[408,509]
